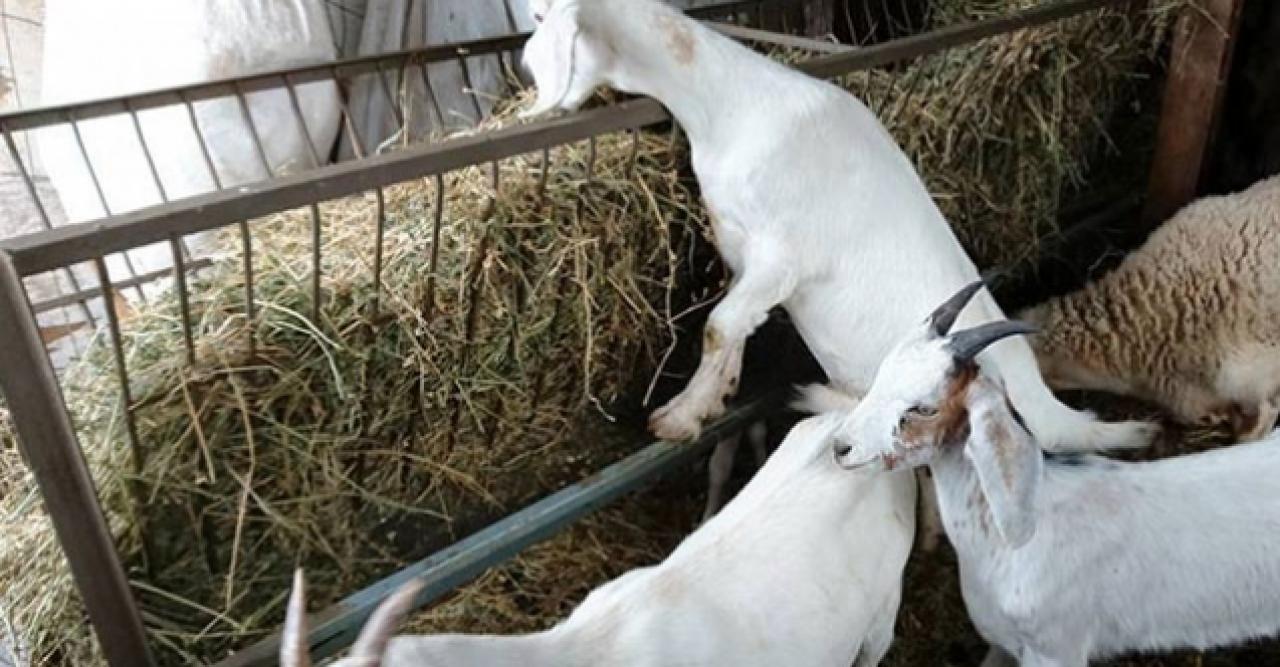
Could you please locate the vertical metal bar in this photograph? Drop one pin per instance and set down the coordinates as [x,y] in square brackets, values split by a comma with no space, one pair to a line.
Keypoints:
[542,177]
[146,152]
[151,164]
[466,80]
[316,269]
[592,152]
[305,132]
[635,152]
[204,145]
[848,21]
[102,197]
[386,92]
[122,370]
[250,314]
[357,142]
[377,248]
[432,101]
[430,305]
[888,19]
[245,237]
[473,306]
[44,214]
[184,300]
[48,443]
[93,173]
[913,82]
[247,117]
[871,22]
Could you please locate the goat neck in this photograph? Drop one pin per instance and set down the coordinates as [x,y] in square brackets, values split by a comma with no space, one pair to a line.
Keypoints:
[705,79]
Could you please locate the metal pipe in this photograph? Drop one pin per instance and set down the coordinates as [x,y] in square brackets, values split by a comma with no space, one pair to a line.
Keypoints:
[336,627]
[49,445]
[66,245]
[44,216]
[27,119]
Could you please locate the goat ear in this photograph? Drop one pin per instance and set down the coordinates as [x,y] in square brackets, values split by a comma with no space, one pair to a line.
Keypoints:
[381,626]
[1007,461]
[294,651]
[549,56]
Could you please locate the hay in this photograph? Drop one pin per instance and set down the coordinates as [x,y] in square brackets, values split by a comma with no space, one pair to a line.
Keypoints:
[542,585]
[379,434]
[1005,130]
[373,436]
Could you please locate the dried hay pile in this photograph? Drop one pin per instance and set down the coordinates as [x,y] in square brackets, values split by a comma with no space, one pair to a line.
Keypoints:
[381,433]
[1005,130]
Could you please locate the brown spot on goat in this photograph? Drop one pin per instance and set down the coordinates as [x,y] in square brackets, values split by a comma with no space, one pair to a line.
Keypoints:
[711,340]
[678,38]
[950,425]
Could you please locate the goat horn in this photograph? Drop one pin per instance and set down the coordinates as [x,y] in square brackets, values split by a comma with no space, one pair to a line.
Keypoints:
[377,632]
[941,319]
[294,651]
[965,345]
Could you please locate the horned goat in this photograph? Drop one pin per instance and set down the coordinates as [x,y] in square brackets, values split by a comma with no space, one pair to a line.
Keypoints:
[1191,320]
[801,568]
[1066,560]
[813,207]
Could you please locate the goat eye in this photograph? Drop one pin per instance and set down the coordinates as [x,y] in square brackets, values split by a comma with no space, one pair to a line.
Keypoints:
[924,411]
[537,17]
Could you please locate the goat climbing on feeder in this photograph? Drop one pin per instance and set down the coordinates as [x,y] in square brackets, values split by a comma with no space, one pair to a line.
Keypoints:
[814,207]
[1191,320]
[1063,561]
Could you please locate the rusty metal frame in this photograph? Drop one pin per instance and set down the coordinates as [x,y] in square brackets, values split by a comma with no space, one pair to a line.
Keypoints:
[39,411]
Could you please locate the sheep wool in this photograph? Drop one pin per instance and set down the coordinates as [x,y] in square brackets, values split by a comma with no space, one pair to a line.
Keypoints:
[1191,320]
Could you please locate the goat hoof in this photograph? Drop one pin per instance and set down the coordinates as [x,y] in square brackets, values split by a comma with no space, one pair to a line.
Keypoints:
[674,423]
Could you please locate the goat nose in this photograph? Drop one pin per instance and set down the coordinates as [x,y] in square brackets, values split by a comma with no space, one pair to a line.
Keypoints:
[843,449]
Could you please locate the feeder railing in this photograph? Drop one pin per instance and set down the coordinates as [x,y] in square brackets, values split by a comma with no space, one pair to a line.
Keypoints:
[40,413]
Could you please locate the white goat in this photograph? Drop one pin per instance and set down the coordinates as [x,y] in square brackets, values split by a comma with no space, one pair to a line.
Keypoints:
[813,206]
[801,568]
[1191,320]
[1066,560]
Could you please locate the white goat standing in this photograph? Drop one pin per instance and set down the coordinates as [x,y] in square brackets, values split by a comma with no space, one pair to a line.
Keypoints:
[1063,561]
[813,206]
[801,568]
[1191,320]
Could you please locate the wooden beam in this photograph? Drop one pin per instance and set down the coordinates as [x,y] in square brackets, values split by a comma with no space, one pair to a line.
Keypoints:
[1204,39]
[779,39]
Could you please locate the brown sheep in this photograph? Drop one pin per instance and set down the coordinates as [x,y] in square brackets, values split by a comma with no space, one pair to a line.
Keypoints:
[1191,320]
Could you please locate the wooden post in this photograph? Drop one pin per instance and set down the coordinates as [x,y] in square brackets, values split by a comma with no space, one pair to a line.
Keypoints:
[49,446]
[1203,42]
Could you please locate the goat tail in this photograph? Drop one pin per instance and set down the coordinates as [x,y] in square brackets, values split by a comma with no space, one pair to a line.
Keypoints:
[1056,426]
[819,398]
